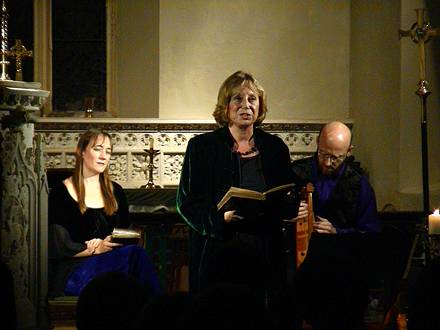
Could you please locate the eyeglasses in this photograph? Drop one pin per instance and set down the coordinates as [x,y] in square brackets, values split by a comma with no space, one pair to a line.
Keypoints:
[334,159]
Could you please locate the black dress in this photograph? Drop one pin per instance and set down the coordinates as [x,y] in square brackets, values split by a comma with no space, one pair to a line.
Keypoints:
[68,231]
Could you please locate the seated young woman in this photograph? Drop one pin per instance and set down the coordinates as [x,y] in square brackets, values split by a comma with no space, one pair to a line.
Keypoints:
[83,211]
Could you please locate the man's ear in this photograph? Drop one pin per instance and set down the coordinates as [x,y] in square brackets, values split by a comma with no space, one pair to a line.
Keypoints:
[350,150]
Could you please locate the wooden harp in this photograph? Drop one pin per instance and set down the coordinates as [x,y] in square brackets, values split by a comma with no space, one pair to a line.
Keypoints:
[304,227]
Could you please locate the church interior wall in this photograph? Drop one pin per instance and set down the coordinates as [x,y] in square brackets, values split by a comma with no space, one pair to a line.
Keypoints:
[282,43]
[374,93]
[317,60]
[137,58]
[298,50]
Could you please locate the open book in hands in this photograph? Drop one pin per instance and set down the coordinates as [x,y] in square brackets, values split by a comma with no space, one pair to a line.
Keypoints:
[125,236]
[247,201]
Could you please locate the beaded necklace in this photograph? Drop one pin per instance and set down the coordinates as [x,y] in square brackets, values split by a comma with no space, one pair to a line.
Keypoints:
[252,150]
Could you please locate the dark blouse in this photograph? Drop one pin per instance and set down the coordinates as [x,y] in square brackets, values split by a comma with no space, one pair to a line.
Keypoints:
[251,173]
[69,229]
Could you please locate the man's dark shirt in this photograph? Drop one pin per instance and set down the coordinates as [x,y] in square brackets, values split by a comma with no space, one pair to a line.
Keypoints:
[365,218]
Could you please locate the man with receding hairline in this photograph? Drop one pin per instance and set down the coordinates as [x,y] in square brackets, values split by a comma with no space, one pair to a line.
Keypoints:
[331,282]
[343,200]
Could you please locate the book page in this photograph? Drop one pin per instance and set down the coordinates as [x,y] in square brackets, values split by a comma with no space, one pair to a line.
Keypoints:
[245,193]
[282,187]
[239,193]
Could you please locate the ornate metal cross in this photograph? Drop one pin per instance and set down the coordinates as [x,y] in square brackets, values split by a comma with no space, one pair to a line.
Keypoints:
[420,33]
[19,51]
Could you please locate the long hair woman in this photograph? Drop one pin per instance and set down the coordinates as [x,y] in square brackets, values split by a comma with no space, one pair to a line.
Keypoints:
[83,211]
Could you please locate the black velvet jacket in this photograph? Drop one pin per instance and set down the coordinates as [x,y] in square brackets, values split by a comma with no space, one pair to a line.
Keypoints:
[210,168]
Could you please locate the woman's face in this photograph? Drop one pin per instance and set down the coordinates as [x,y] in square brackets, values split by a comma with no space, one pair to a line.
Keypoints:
[96,156]
[243,107]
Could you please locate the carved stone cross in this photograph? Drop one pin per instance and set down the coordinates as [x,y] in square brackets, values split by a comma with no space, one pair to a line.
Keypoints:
[19,51]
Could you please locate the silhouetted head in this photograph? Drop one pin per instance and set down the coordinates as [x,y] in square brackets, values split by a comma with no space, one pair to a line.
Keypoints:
[110,301]
[225,307]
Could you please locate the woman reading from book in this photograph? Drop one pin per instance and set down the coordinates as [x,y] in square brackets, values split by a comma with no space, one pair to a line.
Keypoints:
[83,211]
[238,154]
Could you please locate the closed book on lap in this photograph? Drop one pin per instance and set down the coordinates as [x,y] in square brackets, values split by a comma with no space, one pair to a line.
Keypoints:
[125,236]
[251,203]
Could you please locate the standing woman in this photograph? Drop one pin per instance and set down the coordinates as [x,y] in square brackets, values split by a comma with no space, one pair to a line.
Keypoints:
[83,210]
[237,154]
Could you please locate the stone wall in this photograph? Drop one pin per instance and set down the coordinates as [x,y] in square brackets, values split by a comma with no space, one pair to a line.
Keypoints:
[128,165]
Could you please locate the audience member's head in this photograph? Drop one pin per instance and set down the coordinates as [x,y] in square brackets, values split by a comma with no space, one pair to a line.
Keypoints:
[110,301]
[7,298]
[225,307]
[163,312]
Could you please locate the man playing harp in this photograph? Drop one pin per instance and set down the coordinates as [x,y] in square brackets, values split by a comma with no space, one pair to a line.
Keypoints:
[330,282]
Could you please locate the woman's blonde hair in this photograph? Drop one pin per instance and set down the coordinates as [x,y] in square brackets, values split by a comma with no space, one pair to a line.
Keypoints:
[235,80]
[89,139]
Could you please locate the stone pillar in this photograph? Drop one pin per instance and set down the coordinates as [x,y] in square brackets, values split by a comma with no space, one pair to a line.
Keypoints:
[23,208]
[23,226]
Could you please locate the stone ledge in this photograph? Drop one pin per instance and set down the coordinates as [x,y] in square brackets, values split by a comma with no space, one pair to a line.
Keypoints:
[131,136]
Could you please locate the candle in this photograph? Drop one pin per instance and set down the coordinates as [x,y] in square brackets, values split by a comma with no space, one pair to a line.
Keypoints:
[151,143]
[434,223]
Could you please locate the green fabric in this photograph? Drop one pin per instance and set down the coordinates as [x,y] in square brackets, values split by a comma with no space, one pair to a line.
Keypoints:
[210,168]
